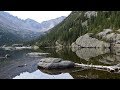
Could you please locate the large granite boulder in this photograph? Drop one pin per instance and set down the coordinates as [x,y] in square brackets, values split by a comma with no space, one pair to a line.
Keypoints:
[55,63]
[89,42]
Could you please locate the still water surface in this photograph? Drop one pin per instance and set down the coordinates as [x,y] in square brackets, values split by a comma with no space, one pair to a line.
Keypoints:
[12,66]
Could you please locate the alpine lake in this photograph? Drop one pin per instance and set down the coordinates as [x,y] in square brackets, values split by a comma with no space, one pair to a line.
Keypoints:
[21,66]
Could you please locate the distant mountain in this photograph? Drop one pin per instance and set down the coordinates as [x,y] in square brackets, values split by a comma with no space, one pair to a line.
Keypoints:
[14,29]
[43,26]
[51,23]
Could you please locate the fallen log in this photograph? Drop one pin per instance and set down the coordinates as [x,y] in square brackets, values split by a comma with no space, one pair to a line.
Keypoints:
[99,67]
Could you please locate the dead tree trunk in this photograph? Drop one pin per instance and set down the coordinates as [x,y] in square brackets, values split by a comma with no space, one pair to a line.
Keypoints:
[99,67]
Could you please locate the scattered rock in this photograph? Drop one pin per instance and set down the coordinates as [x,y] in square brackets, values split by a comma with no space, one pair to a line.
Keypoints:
[90,13]
[22,65]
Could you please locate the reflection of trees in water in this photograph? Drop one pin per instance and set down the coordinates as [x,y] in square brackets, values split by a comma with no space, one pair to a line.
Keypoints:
[94,74]
[96,57]
[64,53]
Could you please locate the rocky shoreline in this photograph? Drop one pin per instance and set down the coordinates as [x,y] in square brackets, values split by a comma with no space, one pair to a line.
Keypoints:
[105,39]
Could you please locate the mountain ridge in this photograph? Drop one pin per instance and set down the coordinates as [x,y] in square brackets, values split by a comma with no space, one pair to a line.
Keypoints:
[22,30]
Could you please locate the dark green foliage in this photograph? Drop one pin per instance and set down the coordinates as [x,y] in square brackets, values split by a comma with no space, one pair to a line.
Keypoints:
[71,28]
[7,38]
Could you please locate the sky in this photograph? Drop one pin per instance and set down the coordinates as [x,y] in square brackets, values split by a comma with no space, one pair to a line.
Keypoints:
[39,16]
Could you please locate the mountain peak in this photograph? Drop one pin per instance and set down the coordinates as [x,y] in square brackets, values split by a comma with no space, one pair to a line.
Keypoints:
[13,29]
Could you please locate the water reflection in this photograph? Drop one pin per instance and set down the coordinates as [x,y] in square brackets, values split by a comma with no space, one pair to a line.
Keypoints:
[40,75]
[95,56]
[87,53]
[9,66]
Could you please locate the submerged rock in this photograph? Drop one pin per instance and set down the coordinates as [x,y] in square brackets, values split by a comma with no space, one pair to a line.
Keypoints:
[22,65]
[22,48]
[36,54]
[35,47]
[8,48]
[55,63]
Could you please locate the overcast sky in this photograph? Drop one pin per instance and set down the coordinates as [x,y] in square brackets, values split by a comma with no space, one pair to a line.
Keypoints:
[39,16]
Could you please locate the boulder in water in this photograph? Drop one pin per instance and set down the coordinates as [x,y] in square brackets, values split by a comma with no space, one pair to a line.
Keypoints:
[55,63]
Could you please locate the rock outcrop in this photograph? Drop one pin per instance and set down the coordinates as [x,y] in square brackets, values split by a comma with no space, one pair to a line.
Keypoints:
[55,63]
[90,13]
[104,32]
[89,42]
[110,35]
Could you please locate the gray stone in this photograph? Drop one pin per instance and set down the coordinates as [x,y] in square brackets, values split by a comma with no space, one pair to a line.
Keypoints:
[111,36]
[104,32]
[85,23]
[90,13]
[55,63]
[108,35]
[88,42]
[51,60]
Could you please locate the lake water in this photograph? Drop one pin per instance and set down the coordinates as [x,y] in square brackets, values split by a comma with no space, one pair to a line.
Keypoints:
[12,66]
